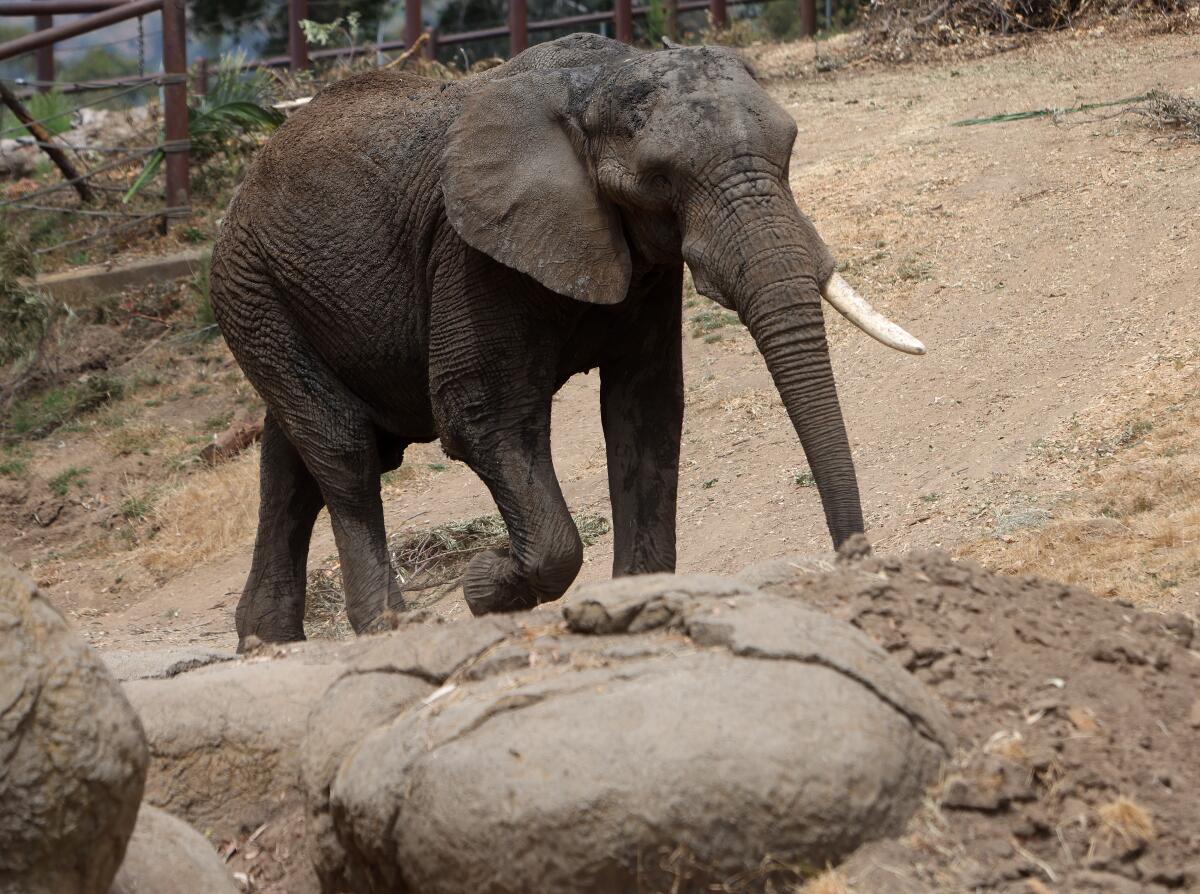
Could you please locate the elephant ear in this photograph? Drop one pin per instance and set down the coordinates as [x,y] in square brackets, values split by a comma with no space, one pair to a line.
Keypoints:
[517,189]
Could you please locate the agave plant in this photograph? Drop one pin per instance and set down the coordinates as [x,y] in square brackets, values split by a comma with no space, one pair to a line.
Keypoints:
[236,104]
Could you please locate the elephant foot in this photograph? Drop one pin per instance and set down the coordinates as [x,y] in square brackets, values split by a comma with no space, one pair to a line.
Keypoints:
[493,583]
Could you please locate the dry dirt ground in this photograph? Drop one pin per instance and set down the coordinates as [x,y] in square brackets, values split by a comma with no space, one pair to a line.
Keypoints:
[1051,265]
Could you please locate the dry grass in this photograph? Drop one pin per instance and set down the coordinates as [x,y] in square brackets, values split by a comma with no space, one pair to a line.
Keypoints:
[829,882]
[1127,821]
[1132,525]
[1168,111]
[211,511]
[428,565]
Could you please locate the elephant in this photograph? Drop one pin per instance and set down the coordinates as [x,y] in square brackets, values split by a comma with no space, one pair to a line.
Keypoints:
[408,260]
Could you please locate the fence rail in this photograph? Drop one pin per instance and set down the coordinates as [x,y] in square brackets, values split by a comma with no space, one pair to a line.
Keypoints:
[173,81]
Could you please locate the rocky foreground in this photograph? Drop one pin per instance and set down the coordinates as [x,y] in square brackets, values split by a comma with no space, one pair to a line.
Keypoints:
[919,721]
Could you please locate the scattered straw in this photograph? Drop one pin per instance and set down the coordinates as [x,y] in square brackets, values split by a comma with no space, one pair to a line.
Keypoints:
[1127,821]
[428,565]
[1168,111]
[829,882]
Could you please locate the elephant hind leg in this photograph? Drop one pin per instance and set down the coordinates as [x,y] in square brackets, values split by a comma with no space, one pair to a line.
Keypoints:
[272,603]
[333,434]
[545,553]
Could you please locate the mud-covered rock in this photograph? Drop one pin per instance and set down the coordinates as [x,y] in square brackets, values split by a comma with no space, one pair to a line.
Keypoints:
[167,855]
[393,674]
[72,753]
[675,733]
[225,740]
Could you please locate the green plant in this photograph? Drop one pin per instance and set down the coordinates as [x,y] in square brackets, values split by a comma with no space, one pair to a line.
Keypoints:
[38,415]
[781,19]
[656,22]
[193,235]
[53,110]
[200,287]
[236,105]
[710,320]
[135,508]
[25,313]
[323,34]
[804,479]
[12,468]
[61,483]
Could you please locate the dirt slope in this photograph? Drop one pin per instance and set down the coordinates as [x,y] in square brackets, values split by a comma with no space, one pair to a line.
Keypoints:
[1047,264]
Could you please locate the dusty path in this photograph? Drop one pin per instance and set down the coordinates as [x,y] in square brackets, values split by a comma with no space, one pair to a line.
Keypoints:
[1039,261]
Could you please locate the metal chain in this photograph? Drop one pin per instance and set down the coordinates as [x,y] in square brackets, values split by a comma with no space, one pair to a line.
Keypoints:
[141,49]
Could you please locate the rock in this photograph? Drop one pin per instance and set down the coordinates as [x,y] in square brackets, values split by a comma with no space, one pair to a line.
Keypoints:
[161,664]
[72,753]
[741,726]
[393,674]
[232,441]
[165,855]
[777,571]
[225,740]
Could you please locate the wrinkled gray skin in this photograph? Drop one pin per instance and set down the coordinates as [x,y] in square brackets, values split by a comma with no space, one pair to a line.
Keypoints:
[412,259]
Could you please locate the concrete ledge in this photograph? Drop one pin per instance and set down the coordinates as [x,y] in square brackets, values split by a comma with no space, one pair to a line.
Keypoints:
[96,280]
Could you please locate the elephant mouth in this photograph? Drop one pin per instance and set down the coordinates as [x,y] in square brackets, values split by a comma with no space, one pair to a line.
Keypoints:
[842,297]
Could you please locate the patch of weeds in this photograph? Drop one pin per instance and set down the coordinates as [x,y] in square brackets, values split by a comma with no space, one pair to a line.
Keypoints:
[912,269]
[1141,503]
[437,467]
[135,508]
[1134,432]
[710,320]
[219,422]
[13,468]
[79,258]
[930,497]
[199,390]
[26,315]
[707,485]
[805,479]
[713,338]
[193,235]
[61,483]
[428,564]
[40,414]
[395,476]
[201,288]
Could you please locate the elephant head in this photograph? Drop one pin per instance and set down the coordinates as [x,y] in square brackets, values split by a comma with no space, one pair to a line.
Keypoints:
[577,176]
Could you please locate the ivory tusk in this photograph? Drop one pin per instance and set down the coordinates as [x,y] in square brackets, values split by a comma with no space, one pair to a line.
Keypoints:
[855,308]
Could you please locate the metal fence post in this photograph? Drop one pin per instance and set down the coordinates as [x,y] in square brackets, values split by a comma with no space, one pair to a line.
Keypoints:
[716,12]
[429,51]
[297,45]
[175,110]
[412,21]
[623,20]
[45,55]
[518,26]
[808,18]
[672,19]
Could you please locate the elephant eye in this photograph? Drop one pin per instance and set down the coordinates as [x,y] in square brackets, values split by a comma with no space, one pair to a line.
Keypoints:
[660,181]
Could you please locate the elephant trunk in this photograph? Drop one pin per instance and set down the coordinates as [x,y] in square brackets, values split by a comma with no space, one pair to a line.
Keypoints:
[769,265]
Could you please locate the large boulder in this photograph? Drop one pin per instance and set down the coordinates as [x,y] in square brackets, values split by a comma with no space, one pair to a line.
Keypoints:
[166,855]
[225,740]
[674,734]
[72,753]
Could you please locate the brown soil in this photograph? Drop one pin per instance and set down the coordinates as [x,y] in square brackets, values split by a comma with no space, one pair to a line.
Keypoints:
[1077,720]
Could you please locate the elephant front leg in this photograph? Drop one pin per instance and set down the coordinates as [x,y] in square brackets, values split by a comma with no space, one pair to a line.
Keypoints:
[545,552]
[641,402]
